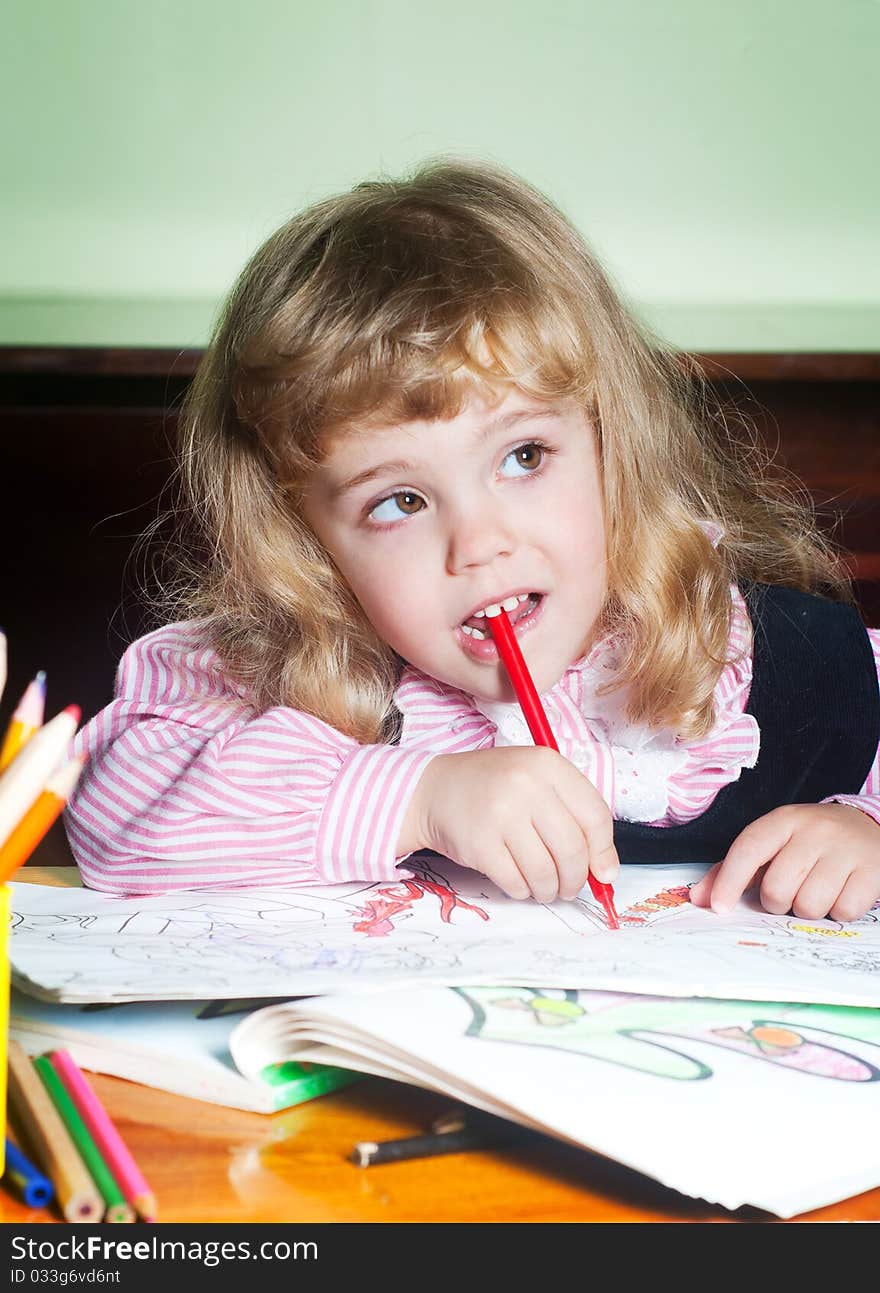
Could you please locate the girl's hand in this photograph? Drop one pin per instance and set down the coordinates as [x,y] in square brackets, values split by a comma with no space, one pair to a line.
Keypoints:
[817,860]
[522,815]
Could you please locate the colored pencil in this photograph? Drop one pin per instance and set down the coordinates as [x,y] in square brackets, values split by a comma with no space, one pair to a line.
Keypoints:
[24,779]
[39,818]
[105,1135]
[26,719]
[28,1182]
[488,1133]
[116,1208]
[542,734]
[38,1120]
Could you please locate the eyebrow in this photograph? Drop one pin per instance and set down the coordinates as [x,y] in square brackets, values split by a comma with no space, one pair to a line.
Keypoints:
[395,465]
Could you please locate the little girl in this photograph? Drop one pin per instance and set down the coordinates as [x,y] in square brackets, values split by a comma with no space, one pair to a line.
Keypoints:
[424,400]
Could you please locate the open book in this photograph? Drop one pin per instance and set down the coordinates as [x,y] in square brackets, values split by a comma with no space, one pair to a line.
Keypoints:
[175,1046]
[770,1104]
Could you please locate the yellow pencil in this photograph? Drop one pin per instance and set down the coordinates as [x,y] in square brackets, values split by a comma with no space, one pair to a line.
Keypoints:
[50,1140]
[41,815]
[27,719]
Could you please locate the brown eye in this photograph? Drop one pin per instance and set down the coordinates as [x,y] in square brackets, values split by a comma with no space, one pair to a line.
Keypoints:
[526,458]
[528,455]
[396,506]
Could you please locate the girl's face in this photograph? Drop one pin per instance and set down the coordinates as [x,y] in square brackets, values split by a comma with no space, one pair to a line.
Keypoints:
[431,521]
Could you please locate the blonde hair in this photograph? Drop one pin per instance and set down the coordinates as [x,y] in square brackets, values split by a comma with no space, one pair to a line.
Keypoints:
[399,299]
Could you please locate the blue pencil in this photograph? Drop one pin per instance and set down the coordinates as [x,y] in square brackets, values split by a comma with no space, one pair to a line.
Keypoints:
[36,1190]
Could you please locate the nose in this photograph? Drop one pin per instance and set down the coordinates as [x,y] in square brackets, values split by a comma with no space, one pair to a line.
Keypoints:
[479,535]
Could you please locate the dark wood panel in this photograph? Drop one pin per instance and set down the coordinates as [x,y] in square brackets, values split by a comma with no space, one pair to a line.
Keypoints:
[829,366]
[85,484]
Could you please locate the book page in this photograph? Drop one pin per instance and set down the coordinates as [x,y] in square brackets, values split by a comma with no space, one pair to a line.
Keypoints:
[770,1104]
[443,926]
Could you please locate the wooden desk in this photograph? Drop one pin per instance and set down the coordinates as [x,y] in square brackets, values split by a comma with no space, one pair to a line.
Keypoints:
[207,1163]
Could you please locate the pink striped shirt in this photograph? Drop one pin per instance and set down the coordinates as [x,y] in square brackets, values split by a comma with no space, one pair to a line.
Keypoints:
[188,787]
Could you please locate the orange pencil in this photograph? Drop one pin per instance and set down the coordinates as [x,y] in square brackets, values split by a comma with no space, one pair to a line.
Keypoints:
[42,814]
[26,720]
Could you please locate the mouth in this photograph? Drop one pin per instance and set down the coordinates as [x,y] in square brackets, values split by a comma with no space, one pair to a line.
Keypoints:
[523,609]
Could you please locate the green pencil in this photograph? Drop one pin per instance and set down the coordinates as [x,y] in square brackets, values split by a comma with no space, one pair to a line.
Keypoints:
[114,1200]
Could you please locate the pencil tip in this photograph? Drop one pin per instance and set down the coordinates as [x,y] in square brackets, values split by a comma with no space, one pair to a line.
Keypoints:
[74,711]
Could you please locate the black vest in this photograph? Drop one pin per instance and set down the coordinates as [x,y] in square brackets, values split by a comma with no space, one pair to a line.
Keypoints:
[814,695]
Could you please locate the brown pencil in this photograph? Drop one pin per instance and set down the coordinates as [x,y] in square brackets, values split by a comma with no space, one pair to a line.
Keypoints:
[50,1141]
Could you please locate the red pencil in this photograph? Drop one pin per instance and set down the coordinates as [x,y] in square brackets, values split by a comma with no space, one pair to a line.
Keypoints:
[533,711]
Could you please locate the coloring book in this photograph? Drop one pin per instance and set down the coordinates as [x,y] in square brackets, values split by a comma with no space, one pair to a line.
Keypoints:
[770,1104]
[440,926]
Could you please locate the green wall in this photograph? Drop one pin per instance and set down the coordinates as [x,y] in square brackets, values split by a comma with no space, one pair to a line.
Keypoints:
[720,155]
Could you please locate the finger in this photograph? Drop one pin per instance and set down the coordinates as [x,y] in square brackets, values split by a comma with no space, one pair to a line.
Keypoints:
[700,892]
[858,895]
[820,889]
[535,864]
[567,846]
[499,866]
[593,815]
[792,874]
[756,845]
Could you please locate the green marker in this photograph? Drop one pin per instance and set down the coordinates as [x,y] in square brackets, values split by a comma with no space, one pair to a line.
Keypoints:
[293,1082]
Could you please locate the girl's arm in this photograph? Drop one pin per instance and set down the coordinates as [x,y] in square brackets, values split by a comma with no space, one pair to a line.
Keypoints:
[186,787]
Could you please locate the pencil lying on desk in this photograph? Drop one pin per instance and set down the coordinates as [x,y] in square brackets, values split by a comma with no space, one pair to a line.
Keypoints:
[116,1208]
[533,712]
[116,1153]
[487,1133]
[39,1121]
[35,1189]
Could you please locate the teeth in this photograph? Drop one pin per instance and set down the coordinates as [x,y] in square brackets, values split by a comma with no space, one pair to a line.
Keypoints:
[475,633]
[510,604]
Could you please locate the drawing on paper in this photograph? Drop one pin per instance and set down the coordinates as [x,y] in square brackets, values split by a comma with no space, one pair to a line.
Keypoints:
[650,1035]
[395,900]
[443,924]
[649,910]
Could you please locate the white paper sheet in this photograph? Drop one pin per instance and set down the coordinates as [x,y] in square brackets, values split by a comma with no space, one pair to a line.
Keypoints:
[445,926]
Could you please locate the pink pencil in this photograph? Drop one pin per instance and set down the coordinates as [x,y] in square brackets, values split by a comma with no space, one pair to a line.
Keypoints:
[108,1140]
[27,719]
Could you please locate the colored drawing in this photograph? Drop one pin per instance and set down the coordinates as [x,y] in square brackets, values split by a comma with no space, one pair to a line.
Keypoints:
[396,900]
[638,1033]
